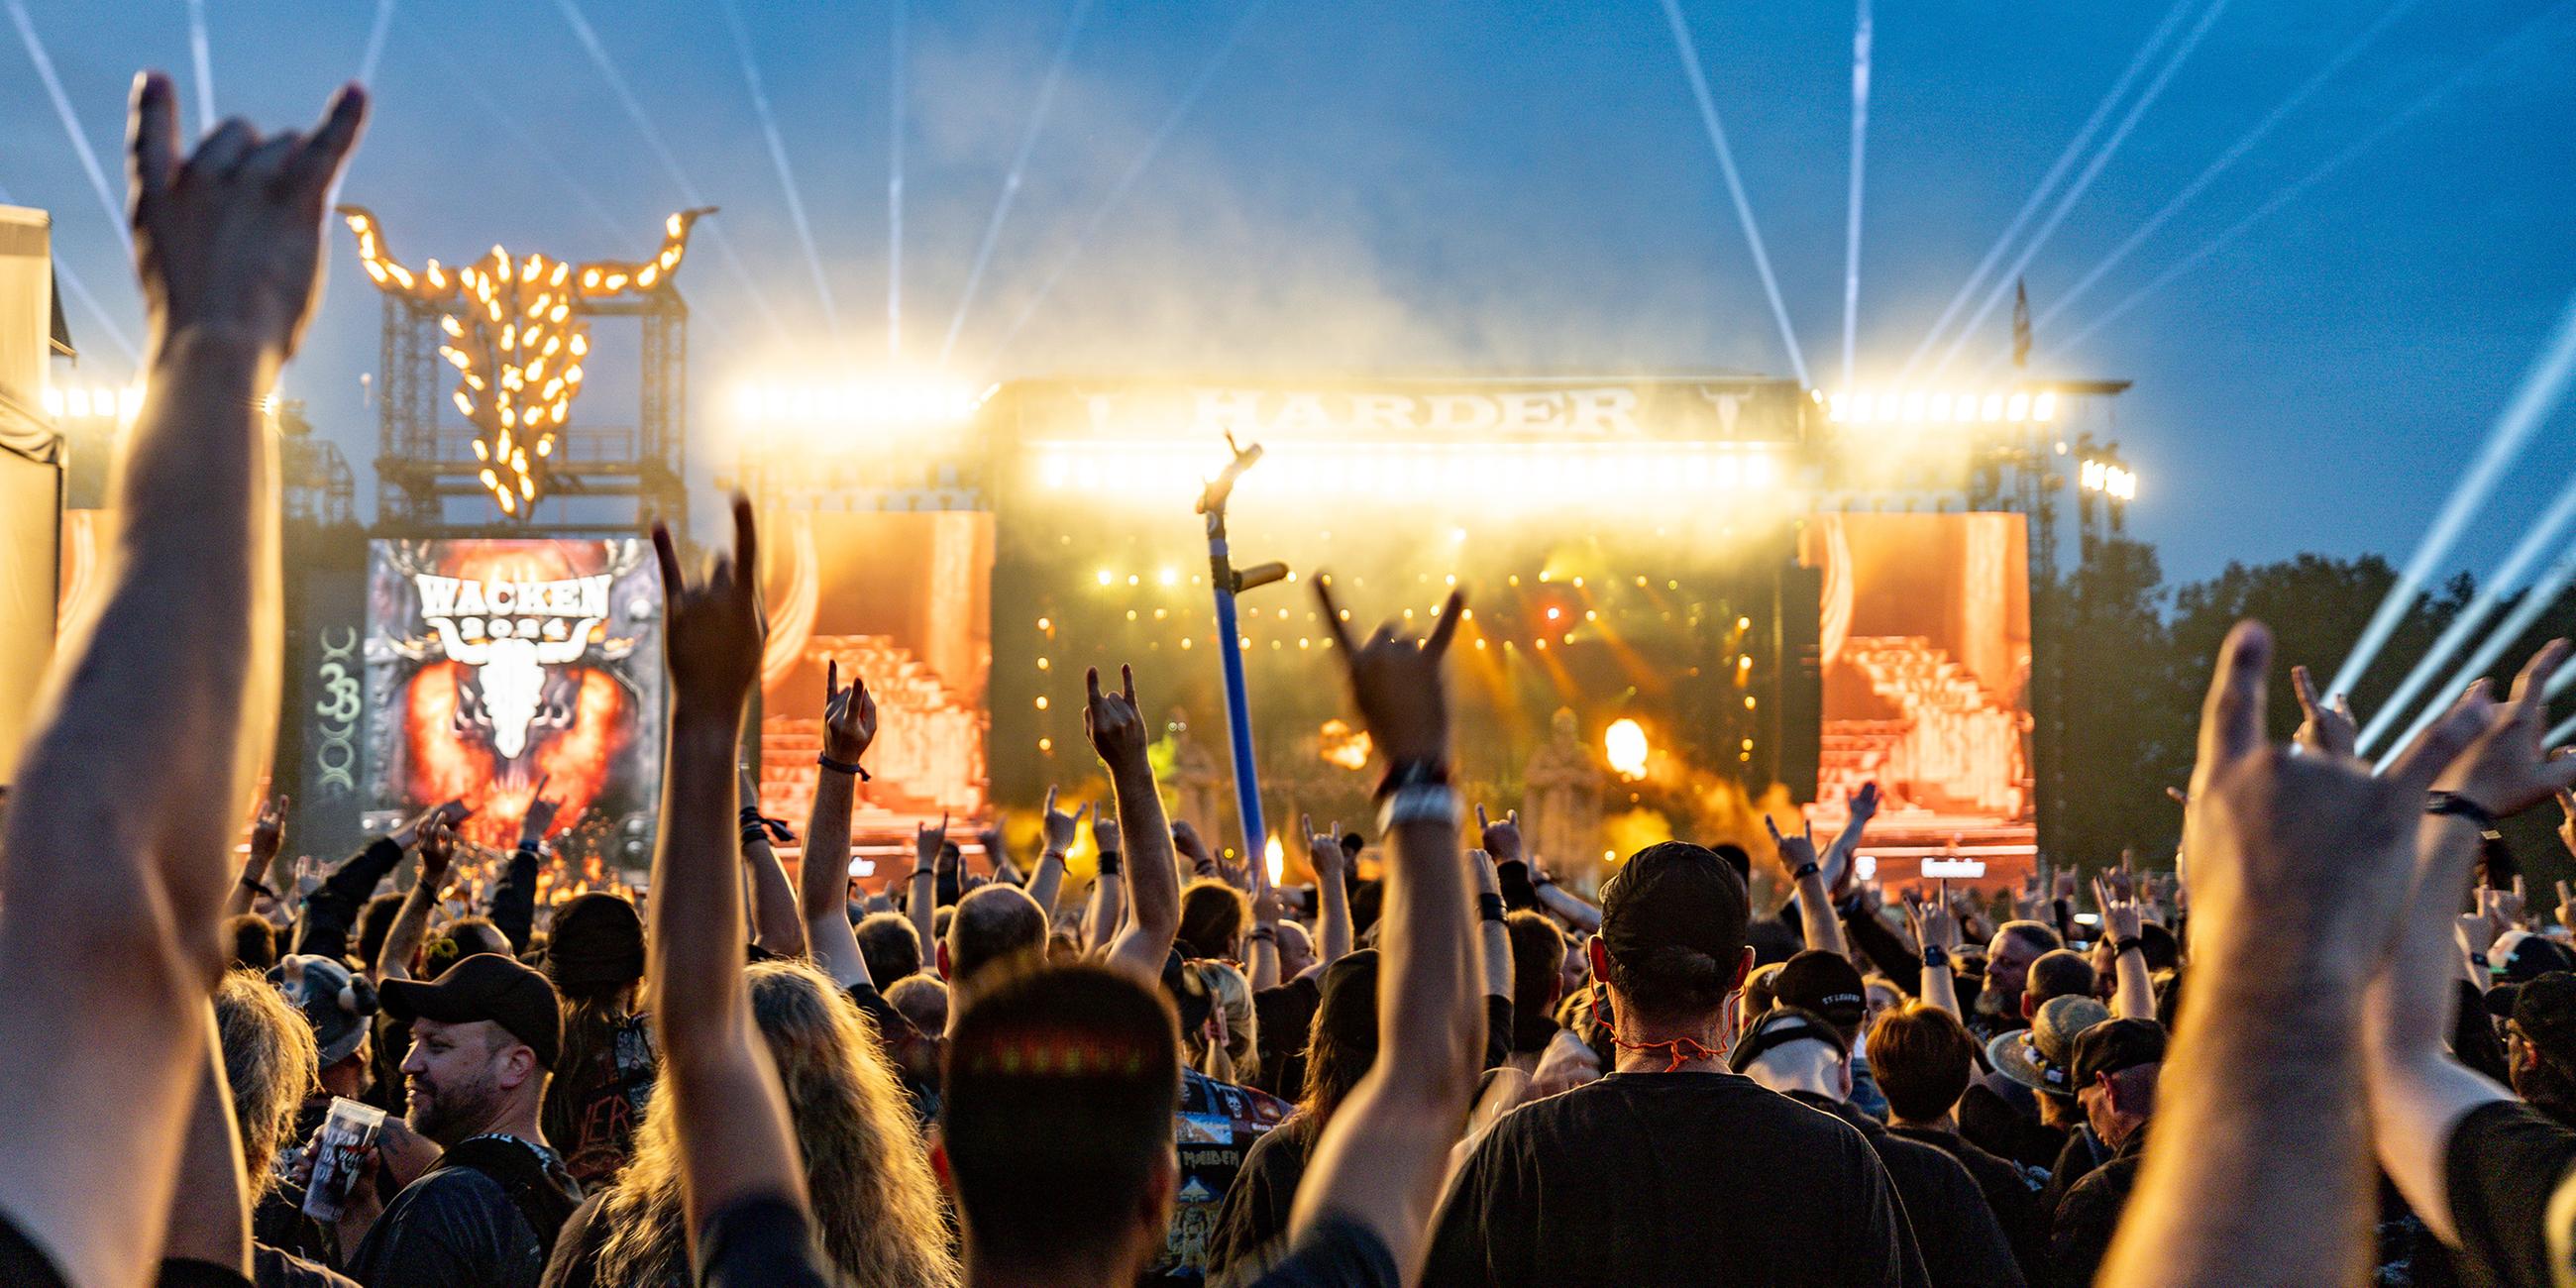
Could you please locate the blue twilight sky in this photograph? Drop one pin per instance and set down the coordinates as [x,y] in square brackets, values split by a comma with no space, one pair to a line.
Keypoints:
[1442,186]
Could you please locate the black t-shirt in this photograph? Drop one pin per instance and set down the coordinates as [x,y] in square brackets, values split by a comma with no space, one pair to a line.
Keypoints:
[2509,1170]
[2084,1151]
[1257,1206]
[1962,1246]
[2011,1190]
[457,1225]
[760,1243]
[1672,1179]
[1284,1016]
[2001,1117]
[1336,1252]
[2090,1212]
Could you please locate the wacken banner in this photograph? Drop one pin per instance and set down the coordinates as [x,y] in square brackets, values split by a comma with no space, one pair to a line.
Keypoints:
[494,667]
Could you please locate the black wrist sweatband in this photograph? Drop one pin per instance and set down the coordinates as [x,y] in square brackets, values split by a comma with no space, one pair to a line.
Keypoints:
[1805,870]
[1489,907]
[2126,943]
[2454,803]
[1265,933]
[845,766]
[1109,863]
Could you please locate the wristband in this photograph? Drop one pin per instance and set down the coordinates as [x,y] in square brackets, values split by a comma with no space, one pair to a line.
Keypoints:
[2128,943]
[845,766]
[1489,907]
[2478,960]
[1420,803]
[2454,803]
[1936,956]
[1109,863]
[1265,933]
[257,887]
[1805,870]
[923,872]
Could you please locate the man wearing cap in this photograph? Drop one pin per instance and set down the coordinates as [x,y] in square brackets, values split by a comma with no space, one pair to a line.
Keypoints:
[1803,1055]
[2025,1109]
[1827,984]
[1672,1169]
[2540,1043]
[2116,1064]
[485,1036]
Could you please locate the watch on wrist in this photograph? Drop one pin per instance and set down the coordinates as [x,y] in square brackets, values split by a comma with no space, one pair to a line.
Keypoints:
[1934,955]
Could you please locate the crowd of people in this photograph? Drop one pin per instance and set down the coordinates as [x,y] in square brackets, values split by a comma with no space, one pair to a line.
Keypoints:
[2332,1045]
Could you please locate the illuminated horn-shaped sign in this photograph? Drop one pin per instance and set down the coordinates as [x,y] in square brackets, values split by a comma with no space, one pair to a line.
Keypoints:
[516,330]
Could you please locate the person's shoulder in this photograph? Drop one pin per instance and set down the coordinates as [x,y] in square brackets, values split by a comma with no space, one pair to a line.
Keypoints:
[2104,1186]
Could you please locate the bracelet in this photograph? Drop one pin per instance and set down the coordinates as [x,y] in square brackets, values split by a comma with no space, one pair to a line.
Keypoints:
[923,872]
[1489,907]
[257,887]
[1109,863]
[1421,803]
[1408,774]
[1266,933]
[845,766]
[1806,870]
[2478,815]
[2128,943]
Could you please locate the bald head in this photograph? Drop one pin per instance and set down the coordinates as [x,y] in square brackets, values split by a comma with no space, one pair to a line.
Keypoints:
[992,923]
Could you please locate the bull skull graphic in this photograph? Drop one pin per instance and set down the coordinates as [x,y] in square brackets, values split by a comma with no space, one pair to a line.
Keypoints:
[516,334]
[510,633]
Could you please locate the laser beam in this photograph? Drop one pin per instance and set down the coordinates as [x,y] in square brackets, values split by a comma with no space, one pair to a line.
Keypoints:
[643,123]
[1136,170]
[2057,169]
[71,123]
[1018,171]
[2532,402]
[376,43]
[900,17]
[1689,51]
[2535,601]
[2235,152]
[201,57]
[1859,150]
[2083,180]
[2295,189]
[2545,536]
[778,160]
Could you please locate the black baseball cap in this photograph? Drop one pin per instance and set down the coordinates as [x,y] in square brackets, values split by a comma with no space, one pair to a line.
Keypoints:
[2114,1045]
[1674,894]
[1825,983]
[1782,1026]
[486,986]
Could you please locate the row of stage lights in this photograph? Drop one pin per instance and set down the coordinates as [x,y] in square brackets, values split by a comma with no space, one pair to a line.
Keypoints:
[120,403]
[1939,407]
[1536,472]
[2114,481]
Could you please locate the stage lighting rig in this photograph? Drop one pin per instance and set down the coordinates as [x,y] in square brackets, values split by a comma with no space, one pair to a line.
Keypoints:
[516,330]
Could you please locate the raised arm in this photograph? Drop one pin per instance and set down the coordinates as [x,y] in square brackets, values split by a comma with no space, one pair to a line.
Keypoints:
[775,927]
[1058,830]
[2299,863]
[922,903]
[267,836]
[1118,734]
[729,1110]
[159,705]
[1380,1160]
[2134,998]
[1332,892]
[1816,919]
[2418,1093]
[514,896]
[411,921]
[1108,888]
[823,880]
[1938,931]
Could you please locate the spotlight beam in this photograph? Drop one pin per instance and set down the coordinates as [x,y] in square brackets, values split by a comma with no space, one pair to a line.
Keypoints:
[2532,402]
[1689,51]
[900,17]
[634,108]
[1135,171]
[2536,600]
[1859,150]
[2057,169]
[2083,181]
[376,43]
[2545,536]
[778,160]
[80,291]
[71,123]
[2235,152]
[2299,187]
[201,57]
[1018,171]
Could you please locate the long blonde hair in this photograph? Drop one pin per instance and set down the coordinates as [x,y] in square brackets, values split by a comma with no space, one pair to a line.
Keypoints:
[876,1208]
